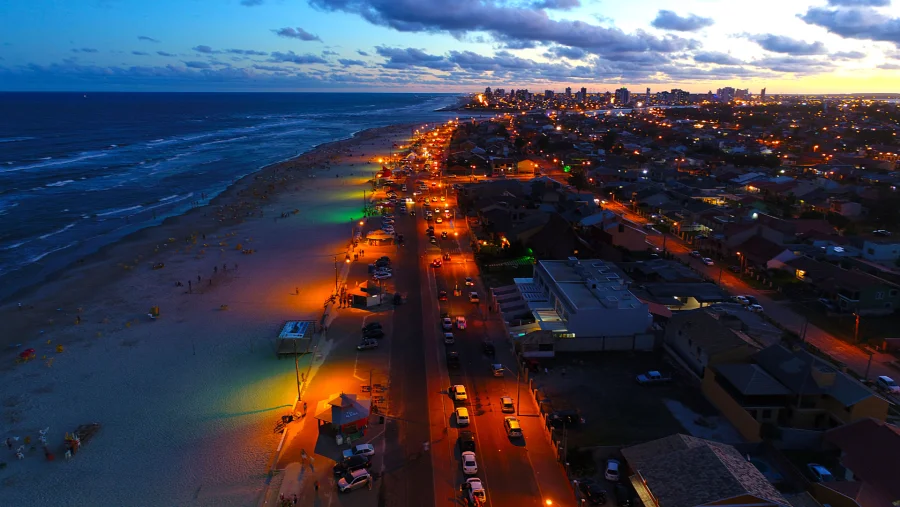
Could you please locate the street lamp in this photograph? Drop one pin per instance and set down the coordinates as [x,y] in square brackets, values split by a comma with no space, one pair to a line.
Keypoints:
[518,387]
[335,275]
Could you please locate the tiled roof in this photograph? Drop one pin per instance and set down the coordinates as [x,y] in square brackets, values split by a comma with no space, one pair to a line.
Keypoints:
[795,371]
[751,380]
[684,471]
[872,451]
[705,331]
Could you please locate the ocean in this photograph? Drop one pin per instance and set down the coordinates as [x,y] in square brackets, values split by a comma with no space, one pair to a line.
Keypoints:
[80,171]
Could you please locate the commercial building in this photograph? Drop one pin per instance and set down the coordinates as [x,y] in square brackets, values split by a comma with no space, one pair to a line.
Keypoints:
[623,96]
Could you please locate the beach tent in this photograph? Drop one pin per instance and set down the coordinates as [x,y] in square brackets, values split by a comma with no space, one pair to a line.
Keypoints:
[344,412]
[379,237]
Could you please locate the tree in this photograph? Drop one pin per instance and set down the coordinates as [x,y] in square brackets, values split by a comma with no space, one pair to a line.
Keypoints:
[519,143]
[579,180]
[609,140]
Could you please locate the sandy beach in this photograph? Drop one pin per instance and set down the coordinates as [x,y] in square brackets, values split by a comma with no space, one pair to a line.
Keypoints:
[187,402]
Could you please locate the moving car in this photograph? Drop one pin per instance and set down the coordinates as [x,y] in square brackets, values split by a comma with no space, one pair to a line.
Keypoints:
[444,235]
[695,254]
[512,426]
[506,404]
[458,392]
[438,220]
[437,263]
[470,282]
[707,261]
[354,480]
[368,343]
[819,473]
[460,322]
[488,347]
[462,416]
[446,256]
[449,339]
[352,464]
[756,308]
[887,384]
[442,295]
[469,466]
[359,450]
[497,370]
[446,323]
[612,470]
[473,298]
[740,299]
[433,240]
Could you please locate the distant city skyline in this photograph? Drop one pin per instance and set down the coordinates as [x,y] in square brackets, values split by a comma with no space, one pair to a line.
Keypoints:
[803,46]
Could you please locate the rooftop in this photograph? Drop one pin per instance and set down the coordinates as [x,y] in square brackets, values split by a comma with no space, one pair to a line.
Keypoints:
[590,284]
[751,380]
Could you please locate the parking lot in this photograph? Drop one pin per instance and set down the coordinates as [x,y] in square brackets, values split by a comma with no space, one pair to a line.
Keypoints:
[616,410]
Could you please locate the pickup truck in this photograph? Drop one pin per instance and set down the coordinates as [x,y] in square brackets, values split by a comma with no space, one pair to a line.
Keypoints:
[653,377]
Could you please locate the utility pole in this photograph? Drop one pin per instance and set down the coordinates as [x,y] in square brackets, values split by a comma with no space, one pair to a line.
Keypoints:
[868,365]
[297,368]
[518,389]
[720,275]
[335,275]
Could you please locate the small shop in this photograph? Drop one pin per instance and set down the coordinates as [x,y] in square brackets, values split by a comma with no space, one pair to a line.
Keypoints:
[343,416]
[295,337]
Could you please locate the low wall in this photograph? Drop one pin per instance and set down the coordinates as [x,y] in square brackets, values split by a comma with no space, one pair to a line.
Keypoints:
[643,342]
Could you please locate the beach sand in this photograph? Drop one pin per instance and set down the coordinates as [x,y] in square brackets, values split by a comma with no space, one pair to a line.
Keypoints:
[187,402]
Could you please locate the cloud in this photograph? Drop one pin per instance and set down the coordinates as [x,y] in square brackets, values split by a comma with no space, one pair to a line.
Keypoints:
[139,53]
[296,33]
[848,55]
[398,58]
[328,52]
[668,20]
[197,65]
[147,39]
[859,3]
[863,23]
[291,57]
[795,64]
[84,50]
[349,63]
[889,66]
[502,21]
[787,45]
[361,52]
[717,58]
[270,68]
[163,53]
[251,3]
[565,52]
[560,5]
[204,49]
[248,52]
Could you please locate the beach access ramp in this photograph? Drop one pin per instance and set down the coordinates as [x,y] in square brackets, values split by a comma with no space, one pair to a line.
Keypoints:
[295,337]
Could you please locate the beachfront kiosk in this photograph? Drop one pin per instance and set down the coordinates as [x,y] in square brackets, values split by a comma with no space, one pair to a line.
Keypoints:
[295,337]
[343,416]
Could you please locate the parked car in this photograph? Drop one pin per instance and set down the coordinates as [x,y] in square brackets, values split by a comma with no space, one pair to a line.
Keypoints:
[452,359]
[887,384]
[497,370]
[462,416]
[623,495]
[475,491]
[449,339]
[695,254]
[353,480]
[612,470]
[819,473]
[469,466]
[352,464]
[374,333]
[466,441]
[487,347]
[740,299]
[564,418]
[653,377]
[371,326]
[594,493]
[359,450]
[756,308]
[381,275]
[506,404]
[458,393]
[512,427]
[446,324]
[707,261]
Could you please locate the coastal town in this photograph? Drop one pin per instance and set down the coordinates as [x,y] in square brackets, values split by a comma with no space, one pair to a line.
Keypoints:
[543,301]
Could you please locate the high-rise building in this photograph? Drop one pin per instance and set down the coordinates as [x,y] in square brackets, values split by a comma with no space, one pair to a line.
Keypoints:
[679,96]
[623,96]
[583,93]
[487,91]
[568,91]
[647,97]
[742,94]
[725,94]
[762,95]
[548,94]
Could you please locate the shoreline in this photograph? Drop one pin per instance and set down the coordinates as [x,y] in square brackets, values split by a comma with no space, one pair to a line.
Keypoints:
[232,190]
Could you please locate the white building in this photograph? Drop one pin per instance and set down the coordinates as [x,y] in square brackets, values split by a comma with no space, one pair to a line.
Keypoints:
[881,250]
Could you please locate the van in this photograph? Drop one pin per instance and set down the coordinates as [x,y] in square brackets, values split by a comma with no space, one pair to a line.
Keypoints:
[513,430]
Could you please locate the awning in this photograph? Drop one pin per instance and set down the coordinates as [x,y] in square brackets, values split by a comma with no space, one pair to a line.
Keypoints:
[658,309]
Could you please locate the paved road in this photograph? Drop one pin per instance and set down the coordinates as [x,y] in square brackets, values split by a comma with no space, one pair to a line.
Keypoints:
[522,473]
[854,357]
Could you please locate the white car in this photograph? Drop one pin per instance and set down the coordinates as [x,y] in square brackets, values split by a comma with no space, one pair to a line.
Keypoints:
[354,480]
[449,339]
[447,324]
[458,392]
[475,491]
[361,449]
[756,308]
[740,299]
[460,322]
[887,384]
[612,470]
[462,416]
[707,261]
[469,466]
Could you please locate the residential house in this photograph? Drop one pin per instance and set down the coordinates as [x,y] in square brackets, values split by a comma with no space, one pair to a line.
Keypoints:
[700,339]
[685,471]
[870,456]
[789,389]
[881,250]
[852,290]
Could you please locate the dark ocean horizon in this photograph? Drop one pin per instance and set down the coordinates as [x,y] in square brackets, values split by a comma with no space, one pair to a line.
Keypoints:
[79,171]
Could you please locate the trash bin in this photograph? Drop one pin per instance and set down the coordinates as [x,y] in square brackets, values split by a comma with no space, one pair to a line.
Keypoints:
[339,439]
